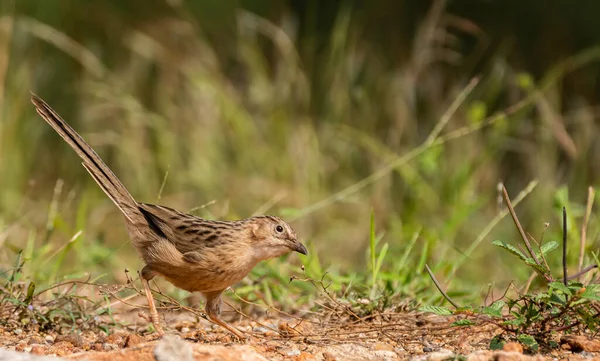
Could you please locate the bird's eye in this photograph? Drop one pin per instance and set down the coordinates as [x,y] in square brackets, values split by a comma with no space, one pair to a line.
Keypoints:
[279,228]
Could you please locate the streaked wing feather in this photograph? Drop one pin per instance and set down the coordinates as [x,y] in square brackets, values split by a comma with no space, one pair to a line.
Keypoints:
[188,232]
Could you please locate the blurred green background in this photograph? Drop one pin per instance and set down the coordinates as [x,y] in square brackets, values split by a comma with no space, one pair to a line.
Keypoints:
[317,111]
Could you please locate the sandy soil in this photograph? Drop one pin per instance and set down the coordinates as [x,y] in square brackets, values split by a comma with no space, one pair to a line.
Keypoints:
[395,336]
[334,332]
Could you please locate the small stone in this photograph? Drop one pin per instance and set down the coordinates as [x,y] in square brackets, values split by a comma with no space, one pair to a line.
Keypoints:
[61,348]
[305,356]
[293,352]
[379,346]
[101,337]
[38,350]
[286,330]
[327,356]
[260,329]
[62,352]
[192,335]
[117,339]
[63,344]
[18,331]
[72,338]
[185,329]
[172,348]
[49,339]
[513,356]
[385,355]
[580,343]
[34,340]
[133,340]
[109,347]
[513,347]
[481,355]
[441,355]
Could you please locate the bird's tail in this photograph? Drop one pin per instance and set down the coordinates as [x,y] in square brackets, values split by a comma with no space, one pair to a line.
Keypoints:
[106,179]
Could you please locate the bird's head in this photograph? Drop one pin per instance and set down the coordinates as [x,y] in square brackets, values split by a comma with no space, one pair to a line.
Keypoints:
[272,237]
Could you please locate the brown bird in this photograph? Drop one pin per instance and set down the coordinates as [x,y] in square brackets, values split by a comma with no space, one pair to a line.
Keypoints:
[192,253]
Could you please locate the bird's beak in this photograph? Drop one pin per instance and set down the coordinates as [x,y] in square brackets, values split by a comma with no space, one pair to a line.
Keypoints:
[299,247]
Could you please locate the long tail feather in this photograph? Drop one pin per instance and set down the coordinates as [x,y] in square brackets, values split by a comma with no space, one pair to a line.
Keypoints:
[105,178]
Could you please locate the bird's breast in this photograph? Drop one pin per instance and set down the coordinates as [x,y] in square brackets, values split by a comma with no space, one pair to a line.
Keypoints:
[213,270]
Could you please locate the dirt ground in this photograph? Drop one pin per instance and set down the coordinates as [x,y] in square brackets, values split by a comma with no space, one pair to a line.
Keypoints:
[388,336]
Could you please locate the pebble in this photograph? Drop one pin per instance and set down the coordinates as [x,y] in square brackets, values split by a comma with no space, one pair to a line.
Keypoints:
[172,348]
[293,353]
[34,340]
[72,338]
[116,338]
[382,346]
[513,347]
[63,345]
[133,340]
[62,352]
[305,356]
[260,329]
[109,347]
[327,356]
[101,337]
[38,350]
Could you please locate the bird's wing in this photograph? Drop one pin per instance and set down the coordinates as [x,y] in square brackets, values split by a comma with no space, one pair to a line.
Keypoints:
[187,232]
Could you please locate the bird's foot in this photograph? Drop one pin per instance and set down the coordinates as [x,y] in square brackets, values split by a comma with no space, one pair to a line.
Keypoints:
[155,322]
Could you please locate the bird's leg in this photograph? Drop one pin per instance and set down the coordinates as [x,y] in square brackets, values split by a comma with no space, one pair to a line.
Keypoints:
[146,275]
[213,310]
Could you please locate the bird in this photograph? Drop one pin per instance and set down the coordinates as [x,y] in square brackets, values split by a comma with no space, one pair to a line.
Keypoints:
[192,253]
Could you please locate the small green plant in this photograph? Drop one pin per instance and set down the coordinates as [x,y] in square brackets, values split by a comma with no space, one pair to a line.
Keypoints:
[60,306]
[376,257]
[564,305]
